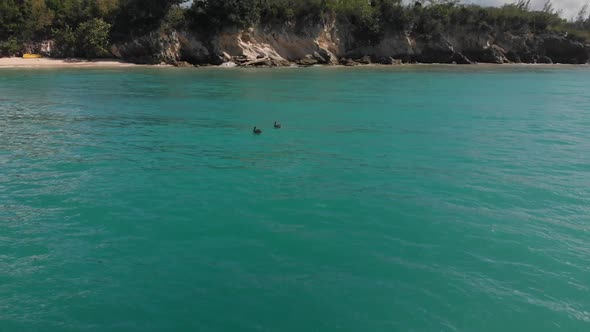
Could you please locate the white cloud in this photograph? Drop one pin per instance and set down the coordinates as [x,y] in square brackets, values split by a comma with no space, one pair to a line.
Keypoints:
[570,7]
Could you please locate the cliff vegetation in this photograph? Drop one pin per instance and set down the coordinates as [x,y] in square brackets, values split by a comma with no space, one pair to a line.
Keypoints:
[280,32]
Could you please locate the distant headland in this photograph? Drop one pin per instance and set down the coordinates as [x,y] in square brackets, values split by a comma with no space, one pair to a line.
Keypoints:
[269,33]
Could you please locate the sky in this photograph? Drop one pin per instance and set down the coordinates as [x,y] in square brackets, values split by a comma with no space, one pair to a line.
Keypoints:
[570,7]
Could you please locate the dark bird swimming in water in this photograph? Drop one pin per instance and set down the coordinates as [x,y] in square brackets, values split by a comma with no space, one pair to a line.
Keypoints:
[257,131]
[278,125]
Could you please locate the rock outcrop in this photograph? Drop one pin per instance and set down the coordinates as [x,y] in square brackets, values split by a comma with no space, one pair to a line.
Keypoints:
[329,44]
[563,50]
[170,48]
[45,48]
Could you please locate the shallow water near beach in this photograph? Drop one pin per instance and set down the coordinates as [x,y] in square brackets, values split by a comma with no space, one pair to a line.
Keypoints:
[423,198]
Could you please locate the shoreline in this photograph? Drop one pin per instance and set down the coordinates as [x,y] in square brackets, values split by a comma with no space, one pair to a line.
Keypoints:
[64,63]
[41,63]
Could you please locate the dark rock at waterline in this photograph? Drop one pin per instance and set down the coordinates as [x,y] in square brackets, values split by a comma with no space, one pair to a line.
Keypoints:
[240,59]
[486,55]
[307,62]
[513,57]
[321,56]
[325,55]
[365,60]
[460,59]
[385,60]
[430,55]
[183,64]
[217,59]
[544,59]
[406,58]
[320,59]
[527,57]
[348,62]
[434,49]
[564,50]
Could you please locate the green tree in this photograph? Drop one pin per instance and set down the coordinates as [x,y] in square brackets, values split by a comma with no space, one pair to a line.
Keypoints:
[65,42]
[105,9]
[92,38]
[67,12]
[39,16]
[87,27]
[221,13]
[137,17]
[11,19]
[9,47]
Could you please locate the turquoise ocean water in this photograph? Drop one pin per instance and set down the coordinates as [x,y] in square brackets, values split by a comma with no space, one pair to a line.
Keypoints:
[394,199]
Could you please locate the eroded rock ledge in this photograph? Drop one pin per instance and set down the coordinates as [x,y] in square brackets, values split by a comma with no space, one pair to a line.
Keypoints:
[330,44]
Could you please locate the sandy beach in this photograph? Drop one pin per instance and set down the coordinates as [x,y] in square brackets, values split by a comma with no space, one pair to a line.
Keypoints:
[116,63]
[60,63]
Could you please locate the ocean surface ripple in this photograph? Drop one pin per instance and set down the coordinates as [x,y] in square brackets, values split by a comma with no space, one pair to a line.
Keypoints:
[394,199]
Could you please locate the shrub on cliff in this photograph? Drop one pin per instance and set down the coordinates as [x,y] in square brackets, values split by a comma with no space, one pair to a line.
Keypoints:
[39,18]
[9,47]
[92,38]
[213,15]
[138,17]
[175,19]
[65,42]
[11,19]
[79,26]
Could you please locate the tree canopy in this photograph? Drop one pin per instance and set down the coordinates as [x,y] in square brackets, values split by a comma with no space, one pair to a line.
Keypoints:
[94,24]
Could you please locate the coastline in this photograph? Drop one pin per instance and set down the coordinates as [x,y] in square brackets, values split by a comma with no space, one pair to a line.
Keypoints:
[41,63]
[63,63]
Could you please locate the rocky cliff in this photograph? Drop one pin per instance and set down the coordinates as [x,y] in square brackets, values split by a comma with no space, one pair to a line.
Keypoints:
[333,43]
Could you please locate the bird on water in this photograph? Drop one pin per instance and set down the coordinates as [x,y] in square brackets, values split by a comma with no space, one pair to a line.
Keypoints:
[256,131]
[277,125]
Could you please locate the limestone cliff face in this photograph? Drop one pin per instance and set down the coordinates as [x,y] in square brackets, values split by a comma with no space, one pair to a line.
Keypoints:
[333,43]
[281,44]
[159,47]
